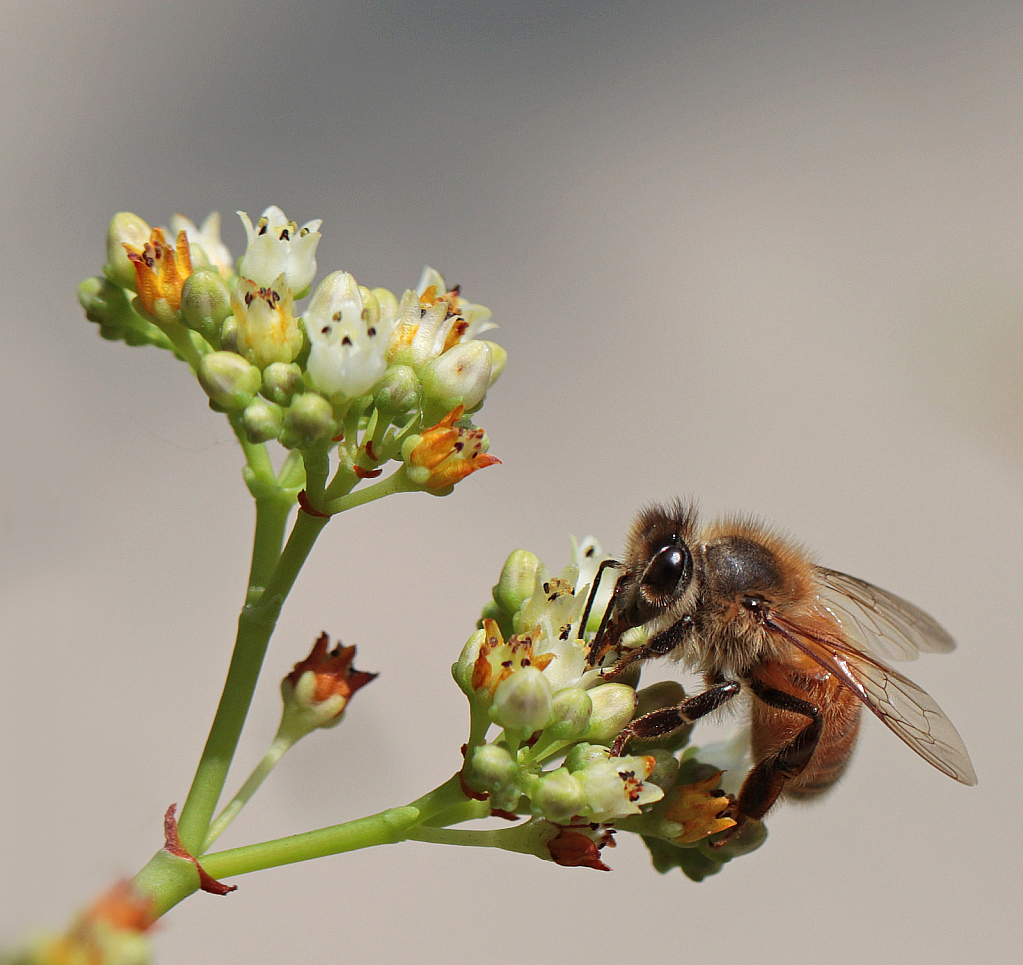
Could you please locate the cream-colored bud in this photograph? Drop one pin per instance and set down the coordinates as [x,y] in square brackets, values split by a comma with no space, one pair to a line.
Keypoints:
[229,380]
[571,711]
[462,669]
[522,702]
[460,376]
[558,797]
[613,708]
[282,381]
[205,303]
[125,228]
[309,421]
[498,360]
[262,420]
[517,581]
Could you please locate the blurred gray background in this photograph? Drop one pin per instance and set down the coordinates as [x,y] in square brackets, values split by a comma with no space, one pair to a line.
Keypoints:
[767,254]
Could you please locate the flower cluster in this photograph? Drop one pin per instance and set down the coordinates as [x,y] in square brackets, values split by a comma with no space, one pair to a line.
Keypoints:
[360,368]
[525,672]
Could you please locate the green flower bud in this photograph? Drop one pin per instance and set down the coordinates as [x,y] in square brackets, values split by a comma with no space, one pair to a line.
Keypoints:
[517,581]
[498,360]
[493,768]
[262,420]
[558,797]
[107,305]
[125,228]
[282,381]
[205,303]
[584,755]
[460,376]
[229,335]
[309,421]
[571,710]
[228,380]
[398,391]
[522,702]
[613,708]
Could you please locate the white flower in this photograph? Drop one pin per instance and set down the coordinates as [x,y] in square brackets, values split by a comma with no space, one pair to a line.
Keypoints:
[477,316]
[207,238]
[616,787]
[433,320]
[347,337]
[277,246]
[267,329]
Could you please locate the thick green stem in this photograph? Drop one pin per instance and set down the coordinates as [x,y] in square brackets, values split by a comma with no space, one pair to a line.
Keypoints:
[387,827]
[255,625]
[167,879]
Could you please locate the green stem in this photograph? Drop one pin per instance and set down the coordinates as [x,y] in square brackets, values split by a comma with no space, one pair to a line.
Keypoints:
[397,482]
[281,743]
[525,838]
[255,625]
[387,827]
[167,879]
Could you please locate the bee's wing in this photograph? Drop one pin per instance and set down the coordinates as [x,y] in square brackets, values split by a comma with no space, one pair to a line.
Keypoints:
[880,622]
[910,712]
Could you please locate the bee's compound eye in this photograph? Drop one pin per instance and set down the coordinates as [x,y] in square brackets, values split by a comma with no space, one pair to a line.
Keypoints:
[670,569]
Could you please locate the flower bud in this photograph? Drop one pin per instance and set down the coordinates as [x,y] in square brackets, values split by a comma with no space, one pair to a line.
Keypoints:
[498,360]
[492,765]
[613,708]
[570,710]
[228,380]
[262,420]
[516,583]
[282,381]
[558,797]
[125,228]
[309,421]
[229,335]
[462,670]
[205,303]
[493,768]
[107,305]
[522,702]
[399,391]
[460,376]
[585,755]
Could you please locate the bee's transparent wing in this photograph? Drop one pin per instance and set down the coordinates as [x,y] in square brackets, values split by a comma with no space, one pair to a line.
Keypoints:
[907,710]
[880,622]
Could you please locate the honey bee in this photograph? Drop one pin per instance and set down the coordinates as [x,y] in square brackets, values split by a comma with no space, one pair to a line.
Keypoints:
[749,611]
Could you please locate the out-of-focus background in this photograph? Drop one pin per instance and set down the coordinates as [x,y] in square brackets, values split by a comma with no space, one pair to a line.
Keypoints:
[769,254]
